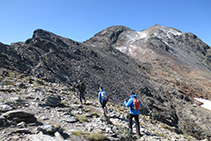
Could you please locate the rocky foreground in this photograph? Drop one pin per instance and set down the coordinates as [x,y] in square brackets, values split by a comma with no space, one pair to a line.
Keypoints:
[34,110]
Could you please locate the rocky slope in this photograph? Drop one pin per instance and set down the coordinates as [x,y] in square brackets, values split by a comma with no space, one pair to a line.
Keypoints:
[35,110]
[164,81]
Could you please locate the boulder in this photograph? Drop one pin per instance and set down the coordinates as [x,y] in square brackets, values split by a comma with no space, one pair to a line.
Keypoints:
[5,108]
[17,116]
[47,129]
[18,100]
[41,137]
[71,119]
[17,113]
[53,100]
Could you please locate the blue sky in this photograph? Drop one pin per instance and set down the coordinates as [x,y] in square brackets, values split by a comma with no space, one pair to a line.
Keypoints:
[80,20]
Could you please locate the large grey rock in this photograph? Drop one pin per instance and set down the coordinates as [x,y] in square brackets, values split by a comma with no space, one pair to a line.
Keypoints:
[41,137]
[47,129]
[5,108]
[18,113]
[18,100]
[53,100]
[71,119]
[17,116]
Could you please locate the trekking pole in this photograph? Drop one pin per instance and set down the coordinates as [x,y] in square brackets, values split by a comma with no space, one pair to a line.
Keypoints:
[124,111]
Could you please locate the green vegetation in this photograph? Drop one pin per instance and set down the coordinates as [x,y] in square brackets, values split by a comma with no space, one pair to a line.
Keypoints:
[96,137]
[82,118]
[189,138]
[159,134]
[165,126]
[86,110]
[95,115]
[78,133]
[90,136]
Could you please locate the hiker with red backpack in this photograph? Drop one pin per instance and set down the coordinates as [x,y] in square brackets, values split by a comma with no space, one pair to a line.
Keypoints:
[134,104]
[103,99]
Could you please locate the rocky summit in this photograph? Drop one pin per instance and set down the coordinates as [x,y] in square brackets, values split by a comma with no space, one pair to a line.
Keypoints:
[166,68]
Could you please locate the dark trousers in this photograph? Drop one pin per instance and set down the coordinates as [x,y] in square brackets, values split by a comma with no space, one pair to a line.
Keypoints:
[82,96]
[103,104]
[137,123]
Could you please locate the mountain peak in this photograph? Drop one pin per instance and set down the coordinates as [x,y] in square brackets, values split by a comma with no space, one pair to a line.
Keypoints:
[158,29]
[41,33]
[108,35]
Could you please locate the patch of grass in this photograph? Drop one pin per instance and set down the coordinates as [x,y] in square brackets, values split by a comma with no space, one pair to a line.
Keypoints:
[90,136]
[124,131]
[189,138]
[159,134]
[78,133]
[9,83]
[114,108]
[165,126]
[82,118]
[65,103]
[96,137]
[86,110]
[95,115]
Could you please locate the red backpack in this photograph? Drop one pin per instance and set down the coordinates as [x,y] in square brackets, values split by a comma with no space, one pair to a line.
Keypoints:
[136,104]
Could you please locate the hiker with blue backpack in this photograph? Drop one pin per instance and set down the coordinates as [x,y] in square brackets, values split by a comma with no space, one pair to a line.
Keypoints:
[103,99]
[134,104]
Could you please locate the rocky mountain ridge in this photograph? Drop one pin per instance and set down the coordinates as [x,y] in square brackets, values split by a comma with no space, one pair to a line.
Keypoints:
[165,84]
[187,48]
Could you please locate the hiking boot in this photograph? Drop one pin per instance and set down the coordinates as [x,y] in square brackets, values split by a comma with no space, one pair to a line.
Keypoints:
[139,135]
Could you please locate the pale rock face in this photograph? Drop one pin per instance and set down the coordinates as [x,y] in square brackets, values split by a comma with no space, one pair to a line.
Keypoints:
[181,46]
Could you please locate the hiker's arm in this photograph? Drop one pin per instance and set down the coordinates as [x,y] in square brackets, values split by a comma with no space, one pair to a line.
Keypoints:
[129,103]
[77,86]
[99,97]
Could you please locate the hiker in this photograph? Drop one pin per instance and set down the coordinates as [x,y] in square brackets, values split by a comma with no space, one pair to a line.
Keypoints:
[38,75]
[134,112]
[81,89]
[103,99]
[28,72]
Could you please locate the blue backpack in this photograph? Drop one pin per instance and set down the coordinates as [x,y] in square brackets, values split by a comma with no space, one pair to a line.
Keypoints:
[104,95]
